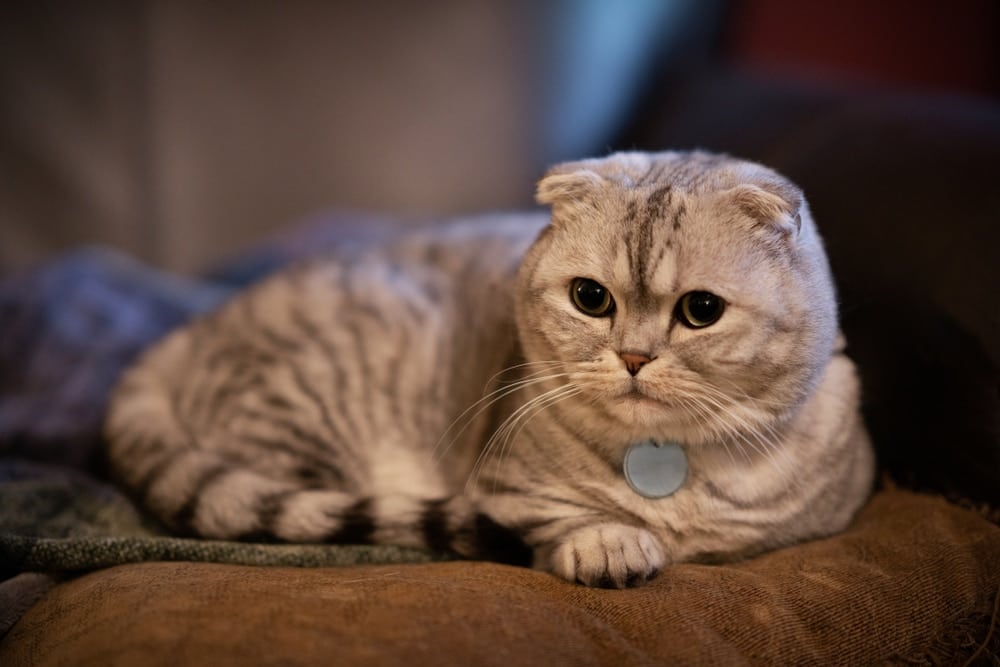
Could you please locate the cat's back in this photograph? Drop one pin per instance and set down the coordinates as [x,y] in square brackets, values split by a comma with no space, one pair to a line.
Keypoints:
[442,256]
[462,268]
[370,343]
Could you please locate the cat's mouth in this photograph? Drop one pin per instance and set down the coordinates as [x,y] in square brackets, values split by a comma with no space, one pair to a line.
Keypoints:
[649,398]
[634,395]
[647,415]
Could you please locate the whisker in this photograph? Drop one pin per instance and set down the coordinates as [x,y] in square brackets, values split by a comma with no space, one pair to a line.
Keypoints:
[504,431]
[703,423]
[512,434]
[774,435]
[745,395]
[526,364]
[508,424]
[748,399]
[722,430]
[739,427]
[483,404]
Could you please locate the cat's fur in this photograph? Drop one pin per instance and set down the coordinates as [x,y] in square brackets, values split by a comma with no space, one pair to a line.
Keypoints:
[337,401]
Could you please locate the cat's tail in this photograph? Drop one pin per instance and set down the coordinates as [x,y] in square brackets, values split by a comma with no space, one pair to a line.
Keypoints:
[201,492]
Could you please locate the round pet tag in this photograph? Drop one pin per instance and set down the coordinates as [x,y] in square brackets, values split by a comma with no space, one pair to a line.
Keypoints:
[655,470]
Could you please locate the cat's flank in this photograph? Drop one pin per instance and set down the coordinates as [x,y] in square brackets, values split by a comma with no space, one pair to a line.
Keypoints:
[660,358]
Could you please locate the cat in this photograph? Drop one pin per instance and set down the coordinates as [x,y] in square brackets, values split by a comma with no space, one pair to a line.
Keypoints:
[675,308]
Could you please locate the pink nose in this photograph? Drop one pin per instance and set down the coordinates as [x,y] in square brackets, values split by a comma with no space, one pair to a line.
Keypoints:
[633,361]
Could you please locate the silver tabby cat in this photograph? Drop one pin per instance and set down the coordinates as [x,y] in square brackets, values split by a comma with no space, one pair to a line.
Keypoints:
[679,298]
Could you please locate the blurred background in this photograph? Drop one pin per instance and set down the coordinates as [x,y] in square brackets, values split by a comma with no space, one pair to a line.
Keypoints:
[183,131]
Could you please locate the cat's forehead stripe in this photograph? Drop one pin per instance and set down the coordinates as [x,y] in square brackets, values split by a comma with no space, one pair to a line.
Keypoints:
[647,238]
[693,174]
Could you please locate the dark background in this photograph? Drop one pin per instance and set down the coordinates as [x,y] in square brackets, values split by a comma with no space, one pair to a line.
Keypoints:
[182,130]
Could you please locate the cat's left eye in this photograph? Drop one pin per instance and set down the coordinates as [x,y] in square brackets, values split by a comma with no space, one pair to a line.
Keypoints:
[699,309]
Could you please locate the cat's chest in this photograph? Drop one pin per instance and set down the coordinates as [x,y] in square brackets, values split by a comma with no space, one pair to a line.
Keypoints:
[705,487]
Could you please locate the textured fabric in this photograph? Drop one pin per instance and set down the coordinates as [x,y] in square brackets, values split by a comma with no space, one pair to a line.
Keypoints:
[914,580]
[81,554]
[17,594]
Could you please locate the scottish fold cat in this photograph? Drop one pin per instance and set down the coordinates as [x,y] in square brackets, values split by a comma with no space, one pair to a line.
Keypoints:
[649,373]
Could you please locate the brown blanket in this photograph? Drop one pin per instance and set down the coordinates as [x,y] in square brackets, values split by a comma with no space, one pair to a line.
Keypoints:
[915,580]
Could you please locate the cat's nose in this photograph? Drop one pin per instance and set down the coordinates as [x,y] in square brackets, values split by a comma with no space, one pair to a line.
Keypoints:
[634,361]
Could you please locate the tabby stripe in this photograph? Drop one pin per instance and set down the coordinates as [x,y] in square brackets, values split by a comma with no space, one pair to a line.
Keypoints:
[227,357]
[361,356]
[655,264]
[357,524]
[434,526]
[257,325]
[216,389]
[308,391]
[444,351]
[277,401]
[657,202]
[392,387]
[227,389]
[568,424]
[155,472]
[413,407]
[504,488]
[285,345]
[200,407]
[757,503]
[299,434]
[183,425]
[342,389]
[591,510]
[315,462]
[653,174]
[679,213]
[184,517]
[359,292]
[631,254]
[269,509]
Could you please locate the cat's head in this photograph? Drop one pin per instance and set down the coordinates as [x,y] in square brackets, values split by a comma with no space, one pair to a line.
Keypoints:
[685,295]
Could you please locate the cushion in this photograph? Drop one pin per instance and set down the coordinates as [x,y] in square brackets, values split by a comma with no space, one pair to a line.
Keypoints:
[914,579]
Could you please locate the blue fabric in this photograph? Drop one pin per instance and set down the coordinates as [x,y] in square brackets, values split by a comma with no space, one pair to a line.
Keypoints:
[67,329]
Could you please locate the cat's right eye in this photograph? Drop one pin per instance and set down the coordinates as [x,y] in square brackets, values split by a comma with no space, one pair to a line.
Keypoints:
[591,297]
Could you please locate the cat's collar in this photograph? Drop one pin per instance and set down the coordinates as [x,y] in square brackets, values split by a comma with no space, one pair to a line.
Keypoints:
[655,469]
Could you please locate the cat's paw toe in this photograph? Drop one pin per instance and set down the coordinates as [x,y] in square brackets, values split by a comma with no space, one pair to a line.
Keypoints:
[609,555]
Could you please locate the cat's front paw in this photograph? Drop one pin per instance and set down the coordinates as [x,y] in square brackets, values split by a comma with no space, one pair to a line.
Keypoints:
[609,555]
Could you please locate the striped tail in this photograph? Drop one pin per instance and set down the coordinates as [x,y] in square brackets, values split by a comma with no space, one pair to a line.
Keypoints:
[229,502]
[201,492]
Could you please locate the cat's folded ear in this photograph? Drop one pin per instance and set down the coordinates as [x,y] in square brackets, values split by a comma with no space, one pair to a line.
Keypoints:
[580,182]
[567,183]
[774,204]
